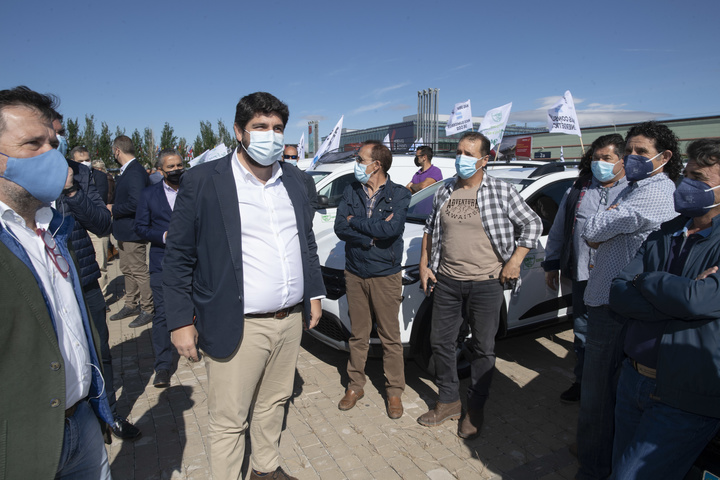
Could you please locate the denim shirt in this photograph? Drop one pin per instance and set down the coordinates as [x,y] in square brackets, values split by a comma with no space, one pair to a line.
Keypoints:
[641,207]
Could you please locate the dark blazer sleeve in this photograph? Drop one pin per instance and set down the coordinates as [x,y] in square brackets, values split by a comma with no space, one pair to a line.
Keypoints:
[101,183]
[181,258]
[148,207]
[311,189]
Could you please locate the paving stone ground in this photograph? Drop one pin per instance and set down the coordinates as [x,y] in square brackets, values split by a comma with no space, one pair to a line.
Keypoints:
[526,434]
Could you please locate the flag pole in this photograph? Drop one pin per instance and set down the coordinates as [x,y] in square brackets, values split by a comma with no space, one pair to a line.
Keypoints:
[581,144]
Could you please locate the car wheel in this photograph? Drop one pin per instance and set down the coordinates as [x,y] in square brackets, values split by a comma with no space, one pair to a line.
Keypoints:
[424,356]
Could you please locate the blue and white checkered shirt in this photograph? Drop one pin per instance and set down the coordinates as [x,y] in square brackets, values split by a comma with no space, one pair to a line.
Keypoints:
[641,207]
[508,221]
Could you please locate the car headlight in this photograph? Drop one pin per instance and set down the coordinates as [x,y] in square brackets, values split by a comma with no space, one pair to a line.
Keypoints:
[411,275]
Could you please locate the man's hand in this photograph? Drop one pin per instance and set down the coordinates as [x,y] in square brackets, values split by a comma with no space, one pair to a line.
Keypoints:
[425,275]
[593,245]
[185,339]
[707,273]
[315,313]
[552,279]
[389,217]
[69,179]
[511,271]
[109,207]
[348,218]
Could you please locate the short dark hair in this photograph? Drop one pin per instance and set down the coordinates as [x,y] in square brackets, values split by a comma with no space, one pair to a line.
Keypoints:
[425,150]
[125,144]
[78,149]
[22,96]
[664,139]
[614,139]
[475,136]
[705,152]
[164,153]
[259,102]
[380,153]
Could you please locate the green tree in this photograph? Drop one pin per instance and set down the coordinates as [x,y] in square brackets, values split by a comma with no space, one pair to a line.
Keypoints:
[209,139]
[167,137]
[182,147]
[138,143]
[198,146]
[119,131]
[73,132]
[104,144]
[150,147]
[225,136]
[90,136]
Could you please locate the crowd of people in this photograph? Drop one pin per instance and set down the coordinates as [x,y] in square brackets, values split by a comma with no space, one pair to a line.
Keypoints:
[234,277]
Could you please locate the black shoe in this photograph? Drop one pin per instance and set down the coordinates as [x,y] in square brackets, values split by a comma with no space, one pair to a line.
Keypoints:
[162,379]
[143,319]
[125,430]
[572,394]
[126,312]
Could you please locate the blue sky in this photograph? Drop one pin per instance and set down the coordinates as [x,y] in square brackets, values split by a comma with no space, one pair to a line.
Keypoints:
[144,63]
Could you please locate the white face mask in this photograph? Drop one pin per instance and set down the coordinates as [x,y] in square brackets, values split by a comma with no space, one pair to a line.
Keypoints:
[265,147]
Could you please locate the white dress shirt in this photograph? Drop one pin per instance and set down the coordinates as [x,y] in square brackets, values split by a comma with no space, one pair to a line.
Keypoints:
[170,194]
[272,263]
[123,167]
[60,294]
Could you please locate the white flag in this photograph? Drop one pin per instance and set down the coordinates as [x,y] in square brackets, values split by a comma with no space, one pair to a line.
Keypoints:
[210,155]
[332,142]
[493,124]
[460,119]
[417,144]
[386,141]
[562,154]
[562,117]
[301,147]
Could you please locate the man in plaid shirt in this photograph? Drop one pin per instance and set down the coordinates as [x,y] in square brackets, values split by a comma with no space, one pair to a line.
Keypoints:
[475,240]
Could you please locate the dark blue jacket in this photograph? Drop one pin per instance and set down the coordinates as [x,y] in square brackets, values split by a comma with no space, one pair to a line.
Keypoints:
[91,215]
[152,220]
[364,256]
[203,265]
[128,188]
[101,183]
[688,368]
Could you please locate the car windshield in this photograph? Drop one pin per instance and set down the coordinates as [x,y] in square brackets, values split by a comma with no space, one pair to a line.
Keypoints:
[317,176]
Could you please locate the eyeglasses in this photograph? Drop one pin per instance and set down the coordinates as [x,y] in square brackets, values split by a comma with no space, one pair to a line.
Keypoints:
[290,157]
[52,249]
[359,159]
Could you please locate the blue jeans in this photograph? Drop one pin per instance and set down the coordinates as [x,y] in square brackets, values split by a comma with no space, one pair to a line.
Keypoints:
[160,335]
[580,322]
[483,301]
[652,439]
[596,420]
[83,453]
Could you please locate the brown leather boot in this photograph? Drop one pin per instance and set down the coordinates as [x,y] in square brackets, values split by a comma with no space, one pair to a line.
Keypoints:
[441,412]
[394,407]
[471,424]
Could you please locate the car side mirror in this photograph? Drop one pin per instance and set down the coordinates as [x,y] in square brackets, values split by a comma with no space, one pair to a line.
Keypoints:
[322,201]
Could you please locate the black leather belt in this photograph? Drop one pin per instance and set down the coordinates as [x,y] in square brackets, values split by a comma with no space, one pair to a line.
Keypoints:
[71,411]
[280,314]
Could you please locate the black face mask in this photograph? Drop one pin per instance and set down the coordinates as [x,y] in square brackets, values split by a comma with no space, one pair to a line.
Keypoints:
[417,161]
[173,177]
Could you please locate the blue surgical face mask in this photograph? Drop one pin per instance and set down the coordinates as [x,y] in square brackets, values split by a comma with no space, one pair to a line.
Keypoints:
[465,166]
[291,162]
[694,198]
[62,145]
[43,176]
[361,174]
[265,147]
[603,171]
[638,167]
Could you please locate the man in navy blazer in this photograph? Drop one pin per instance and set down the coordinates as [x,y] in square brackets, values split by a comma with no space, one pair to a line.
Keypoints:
[133,250]
[240,271]
[152,220]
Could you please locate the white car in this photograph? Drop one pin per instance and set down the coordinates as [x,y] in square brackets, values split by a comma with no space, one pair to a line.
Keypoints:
[531,305]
